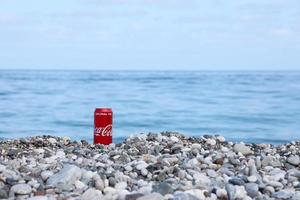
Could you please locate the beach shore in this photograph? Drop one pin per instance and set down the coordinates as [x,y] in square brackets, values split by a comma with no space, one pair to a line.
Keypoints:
[167,165]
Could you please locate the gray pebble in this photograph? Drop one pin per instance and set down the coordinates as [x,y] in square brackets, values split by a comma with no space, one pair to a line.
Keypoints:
[294,160]
[236,181]
[252,189]
[163,188]
[22,189]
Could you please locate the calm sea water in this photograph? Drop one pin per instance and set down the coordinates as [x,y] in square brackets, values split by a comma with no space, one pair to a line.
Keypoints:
[249,106]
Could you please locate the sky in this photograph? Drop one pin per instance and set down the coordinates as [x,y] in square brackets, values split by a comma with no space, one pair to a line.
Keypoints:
[150,34]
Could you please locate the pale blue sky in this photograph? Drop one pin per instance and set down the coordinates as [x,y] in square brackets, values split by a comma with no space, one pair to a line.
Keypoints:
[150,34]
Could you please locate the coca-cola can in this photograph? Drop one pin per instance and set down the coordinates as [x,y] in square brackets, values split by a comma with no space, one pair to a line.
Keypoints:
[103,119]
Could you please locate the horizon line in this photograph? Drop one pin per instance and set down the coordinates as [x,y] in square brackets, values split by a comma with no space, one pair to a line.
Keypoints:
[156,70]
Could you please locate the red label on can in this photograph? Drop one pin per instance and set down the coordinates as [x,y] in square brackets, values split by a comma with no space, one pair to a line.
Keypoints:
[103,126]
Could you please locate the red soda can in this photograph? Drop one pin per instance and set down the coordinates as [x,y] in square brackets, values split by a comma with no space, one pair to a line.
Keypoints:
[103,126]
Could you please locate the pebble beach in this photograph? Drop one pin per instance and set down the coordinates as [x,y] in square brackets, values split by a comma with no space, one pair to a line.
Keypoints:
[150,166]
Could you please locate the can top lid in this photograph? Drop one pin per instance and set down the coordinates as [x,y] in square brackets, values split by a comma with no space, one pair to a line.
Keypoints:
[103,110]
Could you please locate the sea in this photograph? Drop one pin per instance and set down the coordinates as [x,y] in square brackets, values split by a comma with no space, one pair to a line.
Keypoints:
[250,106]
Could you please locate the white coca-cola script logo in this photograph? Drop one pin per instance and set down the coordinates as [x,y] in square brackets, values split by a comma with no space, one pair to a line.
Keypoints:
[106,131]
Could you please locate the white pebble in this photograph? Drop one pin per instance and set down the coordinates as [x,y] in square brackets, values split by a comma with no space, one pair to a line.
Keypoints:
[174,139]
[144,172]
[79,185]
[121,186]
[211,142]
[252,179]
[46,174]
[52,140]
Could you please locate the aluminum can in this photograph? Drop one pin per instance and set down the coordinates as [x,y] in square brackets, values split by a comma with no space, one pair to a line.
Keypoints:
[103,119]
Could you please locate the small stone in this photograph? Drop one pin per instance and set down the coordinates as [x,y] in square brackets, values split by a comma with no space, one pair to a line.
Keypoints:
[275,184]
[92,194]
[211,142]
[46,174]
[211,173]
[80,185]
[176,148]
[201,179]
[60,154]
[295,173]
[253,169]
[163,188]
[3,194]
[221,193]
[33,183]
[128,168]
[296,196]
[270,161]
[61,187]
[122,194]
[269,190]
[21,189]
[196,146]
[199,194]
[39,151]
[169,196]
[219,161]
[252,189]
[23,140]
[141,165]
[52,140]
[181,174]
[174,139]
[258,162]
[151,196]
[144,172]
[2,168]
[67,175]
[236,181]
[11,181]
[133,175]
[145,189]
[294,160]
[241,148]
[38,198]
[87,176]
[184,196]
[240,192]
[109,190]
[252,179]
[230,189]
[283,194]
[99,183]
[221,139]
[192,163]
[12,152]
[224,149]
[277,174]
[121,186]
[112,181]
[133,196]
[66,139]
